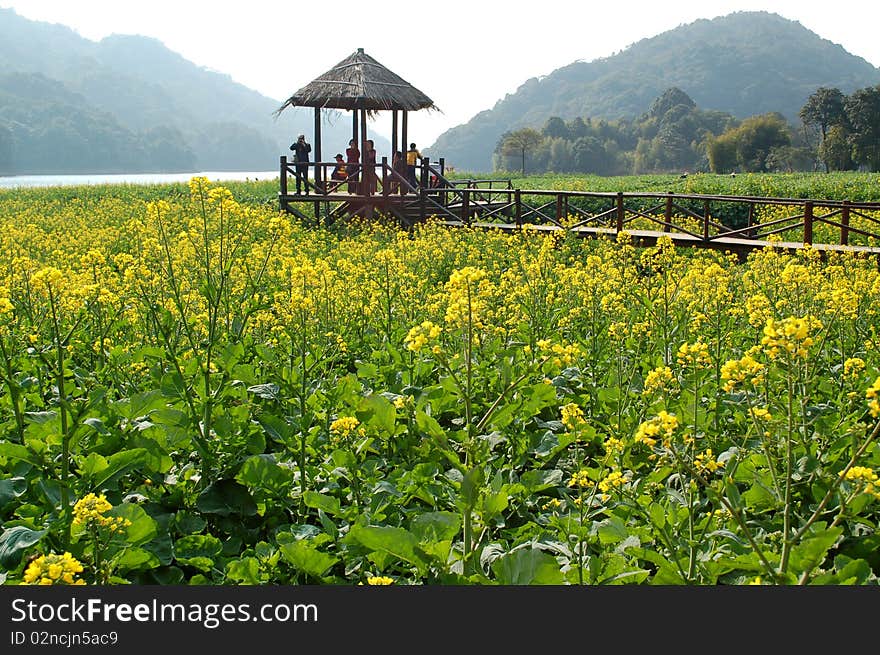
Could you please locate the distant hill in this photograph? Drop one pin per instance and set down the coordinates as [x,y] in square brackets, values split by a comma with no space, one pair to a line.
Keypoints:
[746,63]
[129,104]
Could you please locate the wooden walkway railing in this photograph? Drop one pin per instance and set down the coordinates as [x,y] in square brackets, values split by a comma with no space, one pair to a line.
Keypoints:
[727,222]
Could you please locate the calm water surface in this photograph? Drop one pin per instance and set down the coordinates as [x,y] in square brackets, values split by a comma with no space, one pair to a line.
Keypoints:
[19,181]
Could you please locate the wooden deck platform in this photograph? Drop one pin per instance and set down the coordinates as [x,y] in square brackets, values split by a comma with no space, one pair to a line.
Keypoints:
[726,223]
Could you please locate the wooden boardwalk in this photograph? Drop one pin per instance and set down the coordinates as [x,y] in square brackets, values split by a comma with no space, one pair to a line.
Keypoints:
[727,223]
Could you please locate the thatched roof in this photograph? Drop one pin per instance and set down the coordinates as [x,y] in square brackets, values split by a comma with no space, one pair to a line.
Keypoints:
[359,82]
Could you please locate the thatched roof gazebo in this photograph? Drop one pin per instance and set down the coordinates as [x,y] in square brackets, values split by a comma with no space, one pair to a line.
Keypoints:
[365,87]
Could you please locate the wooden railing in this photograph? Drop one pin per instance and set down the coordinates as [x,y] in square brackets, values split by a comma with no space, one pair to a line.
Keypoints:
[718,221]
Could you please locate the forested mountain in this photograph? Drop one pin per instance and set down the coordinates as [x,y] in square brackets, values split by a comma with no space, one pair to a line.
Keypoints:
[744,64]
[127,103]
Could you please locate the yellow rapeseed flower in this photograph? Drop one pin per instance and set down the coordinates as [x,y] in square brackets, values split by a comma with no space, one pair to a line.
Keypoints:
[53,569]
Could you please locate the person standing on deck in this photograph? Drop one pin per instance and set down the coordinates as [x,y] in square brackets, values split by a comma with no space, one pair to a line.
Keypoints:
[412,158]
[370,178]
[353,167]
[301,150]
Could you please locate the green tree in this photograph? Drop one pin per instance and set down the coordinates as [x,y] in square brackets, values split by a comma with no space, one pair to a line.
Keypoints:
[836,150]
[824,109]
[520,141]
[757,136]
[863,115]
[555,128]
[721,152]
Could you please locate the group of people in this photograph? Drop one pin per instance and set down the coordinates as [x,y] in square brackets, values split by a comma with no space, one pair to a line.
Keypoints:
[359,177]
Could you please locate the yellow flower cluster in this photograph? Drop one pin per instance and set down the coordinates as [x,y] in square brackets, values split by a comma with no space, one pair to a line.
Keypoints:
[572,416]
[344,426]
[612,480]
[706,462]
[745,370]
[853,367]
[694,355]
[6,305]
[560,354]
[469,291]
[580,479]
[759,310]
[872,397]
[380,580]
[790,335]
[866,476]
[659,379]
[419,335]
[89,512]
[661,426]
[54,569]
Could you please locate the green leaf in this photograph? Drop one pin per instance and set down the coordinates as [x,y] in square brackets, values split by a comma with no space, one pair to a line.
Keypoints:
[657,515]
[436,526]
[305,557]
[535,481]
[143,527]
[262,472]
[244,571]
[268,390]
[388,539]
[136,559]
[197,545]
[277,428]
[116,464]
[811,552]
[17,451]
[10,489]
[226,498]
[14,541]
[429,425]
[528,567]
[471,486]
[612,530]
[494,504]
[376,410]
[323,502]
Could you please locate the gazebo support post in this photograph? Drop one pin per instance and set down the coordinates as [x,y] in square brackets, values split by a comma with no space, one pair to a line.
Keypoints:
[319,174]
[393,133]
[354,126]
[404,144]
[364,185]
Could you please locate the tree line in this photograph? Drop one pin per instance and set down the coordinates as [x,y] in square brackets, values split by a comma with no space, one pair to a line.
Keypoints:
[837,132]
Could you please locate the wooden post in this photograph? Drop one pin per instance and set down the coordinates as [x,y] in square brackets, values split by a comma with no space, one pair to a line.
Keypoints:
[423,196]
[384,177]
[667,217]
[751,221]
[394,147]
[424,172]
[319,172]
[466,207]
[517,201]
[844,224]
[808,222]
[404,119]
[705,220]
[354,126]
[559,211]
[283,179]
[363,149]
[621,212]
[442,169]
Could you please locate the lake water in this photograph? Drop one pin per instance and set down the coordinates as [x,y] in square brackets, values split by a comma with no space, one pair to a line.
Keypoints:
[18,181]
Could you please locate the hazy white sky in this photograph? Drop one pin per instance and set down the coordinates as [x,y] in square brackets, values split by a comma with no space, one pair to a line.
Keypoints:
[464,54]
